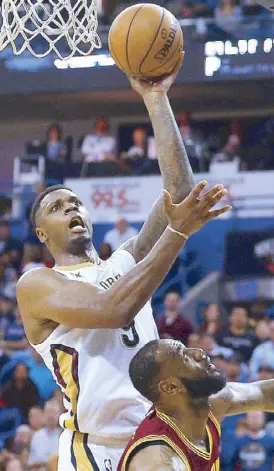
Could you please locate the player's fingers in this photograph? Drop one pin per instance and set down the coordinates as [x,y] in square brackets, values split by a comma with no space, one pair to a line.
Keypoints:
[167,201]
[213,196]
[193,195]
[217,212]
[137,83]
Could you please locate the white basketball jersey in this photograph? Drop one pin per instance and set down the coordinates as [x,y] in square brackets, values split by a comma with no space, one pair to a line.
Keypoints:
[92,365]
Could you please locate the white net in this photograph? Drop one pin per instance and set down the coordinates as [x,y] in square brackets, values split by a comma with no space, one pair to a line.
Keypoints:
[65,27]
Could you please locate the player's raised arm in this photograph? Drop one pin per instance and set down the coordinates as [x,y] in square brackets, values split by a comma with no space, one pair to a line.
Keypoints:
[157,458]
[238,398]
[45,294]
[173,160]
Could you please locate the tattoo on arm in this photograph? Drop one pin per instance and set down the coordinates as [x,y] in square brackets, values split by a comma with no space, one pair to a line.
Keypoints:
[175,169]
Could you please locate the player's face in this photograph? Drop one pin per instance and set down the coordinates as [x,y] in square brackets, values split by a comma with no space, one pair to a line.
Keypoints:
[63,223]
[196,373]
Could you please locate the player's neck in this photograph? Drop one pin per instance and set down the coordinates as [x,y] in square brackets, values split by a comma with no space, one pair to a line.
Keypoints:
[191,419]
[68,259]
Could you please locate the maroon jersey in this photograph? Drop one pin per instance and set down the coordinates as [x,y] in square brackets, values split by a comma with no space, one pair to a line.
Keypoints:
[158,428]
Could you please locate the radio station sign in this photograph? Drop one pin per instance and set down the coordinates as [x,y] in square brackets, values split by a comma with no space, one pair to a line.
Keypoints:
[250,193]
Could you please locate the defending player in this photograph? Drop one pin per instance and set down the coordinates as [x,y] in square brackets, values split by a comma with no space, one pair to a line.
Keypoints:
[182,431]
[87,318]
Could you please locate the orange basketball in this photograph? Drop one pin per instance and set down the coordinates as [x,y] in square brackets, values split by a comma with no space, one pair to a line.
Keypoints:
[145,41]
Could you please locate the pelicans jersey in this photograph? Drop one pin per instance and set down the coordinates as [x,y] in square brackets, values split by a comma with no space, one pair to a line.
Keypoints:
[92,365]
[158,429]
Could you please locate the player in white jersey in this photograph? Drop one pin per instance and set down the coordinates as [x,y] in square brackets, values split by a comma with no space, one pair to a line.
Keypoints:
[87,318]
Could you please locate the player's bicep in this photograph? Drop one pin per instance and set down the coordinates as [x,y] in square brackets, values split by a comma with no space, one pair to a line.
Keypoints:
[45,294]
[157,458]
[237,398]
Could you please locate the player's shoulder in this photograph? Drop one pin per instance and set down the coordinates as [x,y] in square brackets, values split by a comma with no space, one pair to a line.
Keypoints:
[32,277]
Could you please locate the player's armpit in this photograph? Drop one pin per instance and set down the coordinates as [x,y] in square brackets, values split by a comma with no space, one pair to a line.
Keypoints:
[157,458]
[237,398]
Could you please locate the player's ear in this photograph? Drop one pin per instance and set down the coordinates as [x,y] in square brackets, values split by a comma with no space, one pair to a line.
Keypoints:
[42,236]
[170,385]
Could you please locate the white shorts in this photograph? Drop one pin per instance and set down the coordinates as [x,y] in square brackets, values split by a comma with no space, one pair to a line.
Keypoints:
[76,453]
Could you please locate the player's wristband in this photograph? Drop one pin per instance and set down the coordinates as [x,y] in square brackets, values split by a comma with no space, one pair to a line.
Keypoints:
[185,236]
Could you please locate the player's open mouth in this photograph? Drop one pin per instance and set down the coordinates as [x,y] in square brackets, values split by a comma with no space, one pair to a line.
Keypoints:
[211,367]
[77,225]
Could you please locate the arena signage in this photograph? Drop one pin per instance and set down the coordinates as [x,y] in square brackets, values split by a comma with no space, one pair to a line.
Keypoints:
[108,199]
[246,58]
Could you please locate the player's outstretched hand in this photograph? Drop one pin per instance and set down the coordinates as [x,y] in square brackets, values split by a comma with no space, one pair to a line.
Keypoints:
[144,87]
[190,215]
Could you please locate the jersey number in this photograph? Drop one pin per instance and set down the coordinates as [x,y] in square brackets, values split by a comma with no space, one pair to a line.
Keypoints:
[65,365]
[129,336]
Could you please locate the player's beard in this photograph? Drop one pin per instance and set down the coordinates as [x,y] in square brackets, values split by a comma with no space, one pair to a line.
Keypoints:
[80,245]
[205,387]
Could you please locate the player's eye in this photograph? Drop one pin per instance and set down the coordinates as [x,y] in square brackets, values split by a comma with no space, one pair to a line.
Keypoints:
[78,203]
[55,207]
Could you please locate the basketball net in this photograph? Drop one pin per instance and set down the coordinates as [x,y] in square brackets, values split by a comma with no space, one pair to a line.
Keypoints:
[65,27]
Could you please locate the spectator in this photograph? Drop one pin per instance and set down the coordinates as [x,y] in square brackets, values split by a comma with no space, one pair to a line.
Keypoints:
[194,142]
[6,314]
[212,321]
[38,467]
[13,464]
[36,258]
[241,427]
[236,370]
[228,16]
[55,146]
[230,152]
[58,396]
[171,324]
[212,349]
[44,443]
[20,392]
[139,148]
[15,341]
[22,439]
[105,251]
[255,450]
[257,310]
[238,336]
[36,418]
[41,376]
[262,330]
[8,275]
[263,354]
[53,463]
[10,245]
[120,234]
[31,240]
[24,457]
[99,146]
[265,372]
[193,340]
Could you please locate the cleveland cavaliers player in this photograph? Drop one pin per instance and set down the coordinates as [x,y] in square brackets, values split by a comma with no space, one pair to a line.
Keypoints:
[181,432]
[87,318]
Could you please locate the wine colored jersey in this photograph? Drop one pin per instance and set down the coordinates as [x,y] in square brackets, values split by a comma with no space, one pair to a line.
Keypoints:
[158,429]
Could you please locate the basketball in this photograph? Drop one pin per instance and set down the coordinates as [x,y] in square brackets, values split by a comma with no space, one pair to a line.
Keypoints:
[146,40]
